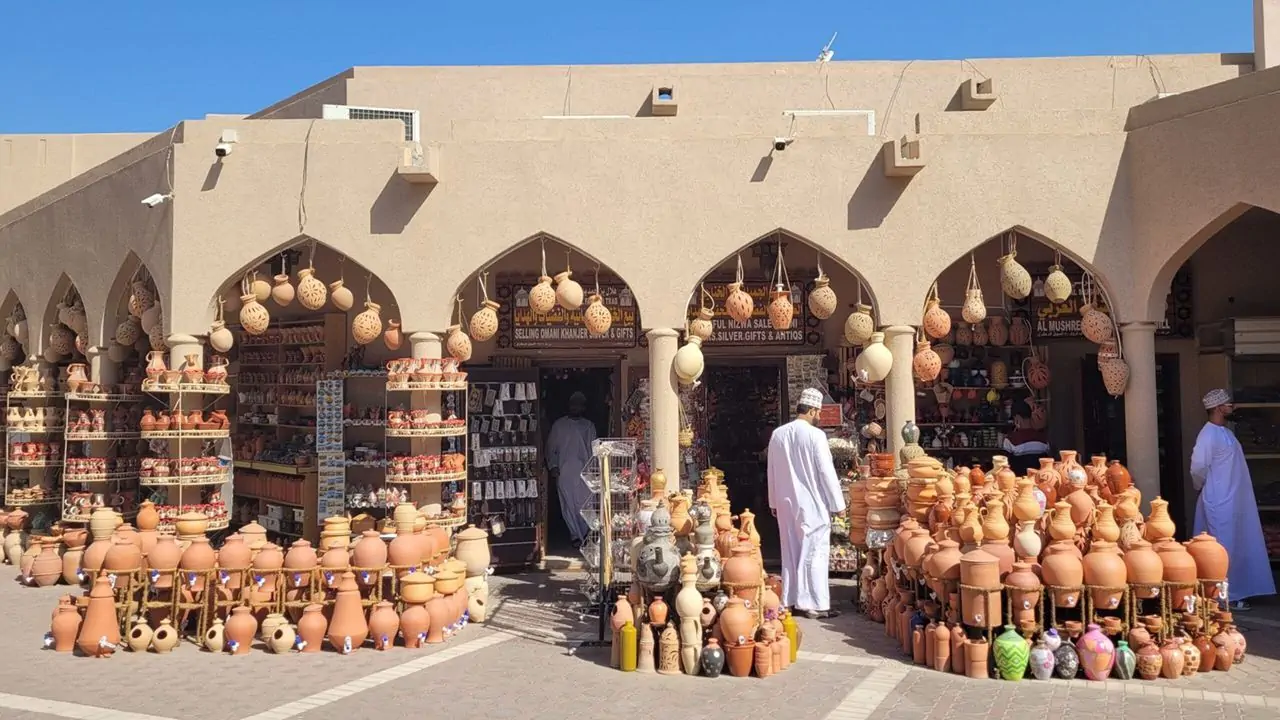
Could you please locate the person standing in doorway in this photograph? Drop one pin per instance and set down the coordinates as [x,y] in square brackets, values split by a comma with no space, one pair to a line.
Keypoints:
[1025,445]
[804,492]
[1226,508]
[568,450]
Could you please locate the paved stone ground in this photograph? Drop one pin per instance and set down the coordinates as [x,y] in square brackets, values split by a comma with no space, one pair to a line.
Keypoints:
[526,662]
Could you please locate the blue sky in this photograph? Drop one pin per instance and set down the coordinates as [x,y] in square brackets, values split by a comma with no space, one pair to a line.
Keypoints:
[81,66]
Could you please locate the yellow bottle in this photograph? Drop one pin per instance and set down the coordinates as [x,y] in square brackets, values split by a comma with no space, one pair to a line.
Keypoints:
[793,634]
[627,653]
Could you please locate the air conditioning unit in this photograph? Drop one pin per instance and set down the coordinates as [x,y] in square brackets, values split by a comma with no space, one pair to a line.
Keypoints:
[353,112]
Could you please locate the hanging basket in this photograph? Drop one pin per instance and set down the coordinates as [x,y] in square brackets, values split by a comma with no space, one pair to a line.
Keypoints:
[738,302]
[926,363]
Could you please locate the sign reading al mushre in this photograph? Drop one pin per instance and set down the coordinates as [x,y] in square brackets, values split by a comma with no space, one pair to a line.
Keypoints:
[1051,320]
[562,328]
[757,330]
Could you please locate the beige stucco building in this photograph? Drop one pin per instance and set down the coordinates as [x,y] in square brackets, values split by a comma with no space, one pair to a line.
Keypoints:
[1127,165]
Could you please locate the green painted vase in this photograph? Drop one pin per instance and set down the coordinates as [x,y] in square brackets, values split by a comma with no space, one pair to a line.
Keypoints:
[1126,661]
[1012,654]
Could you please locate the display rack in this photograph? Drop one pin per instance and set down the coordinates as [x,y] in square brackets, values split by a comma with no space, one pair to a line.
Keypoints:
[33,436]
[505,464]
[187,473]
[425,438]
[610,513]
[101,463]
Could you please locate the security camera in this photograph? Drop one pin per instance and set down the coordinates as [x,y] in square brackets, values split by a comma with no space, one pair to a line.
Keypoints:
[781,143]
[223,149]
[154,200]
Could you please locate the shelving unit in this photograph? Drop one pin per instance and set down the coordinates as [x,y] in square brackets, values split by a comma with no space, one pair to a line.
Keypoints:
[279,377]
[180,472]
[425,437]
[34,456]
[100,459]
[505,464]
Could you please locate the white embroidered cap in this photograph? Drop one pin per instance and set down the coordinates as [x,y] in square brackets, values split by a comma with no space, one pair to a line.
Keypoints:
[811,397]
[1216,397]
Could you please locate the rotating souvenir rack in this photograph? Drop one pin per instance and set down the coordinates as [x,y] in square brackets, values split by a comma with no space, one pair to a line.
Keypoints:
[187,471]
[610,475]
[100,454]
[426,436]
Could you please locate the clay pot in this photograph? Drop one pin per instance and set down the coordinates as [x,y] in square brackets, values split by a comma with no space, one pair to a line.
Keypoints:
[254,318]
[1014,278]
[384,623]
[1061,567]
[239,630]
[458,344]
[738,303]
[300,559]
[1104,568]
[370,551]
[781,311]
[1144,567]
[1179,567]
[199,556]
[1172,659]
[473,549]
[1150,662]
[1159,525]
[311,629]
[47,567]
[347,628]
[165,638]
[1096,325]
[1096,652]
[100,631]
[542,297]
[266,567]
[1118,477]
[341,295]
[65,626]
[393,338]
[596,318]
[439,616]
[1210,556]
[926,363]
[568,291]
[123,556]
[822,299]
[367,326]
[936,321]
[741,658]
[736,621]
[414,622]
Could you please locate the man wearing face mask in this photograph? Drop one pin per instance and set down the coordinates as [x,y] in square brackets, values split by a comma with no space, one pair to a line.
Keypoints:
[1227,509]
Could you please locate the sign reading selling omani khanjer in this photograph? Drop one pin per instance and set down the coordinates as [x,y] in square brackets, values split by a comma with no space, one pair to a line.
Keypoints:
[562,328]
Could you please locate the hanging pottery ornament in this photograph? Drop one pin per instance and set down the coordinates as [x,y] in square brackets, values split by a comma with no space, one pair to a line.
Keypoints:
[50,355]
[1115,375]
[980,337]
[738,302]
[1057,286]
[689,363]
[254,317]
[875,360]
[64,312]
[367,326]
[542,297]
[1020,331]
[20,332]
[150,317]
[118,353]
[568,291]
[156,338]
[282,292]
[140,298]
[781,310]
[859,326]
[78,319]
[597,318]
[1036,372]
[341,296]
[220,338]
[392,337]
[261,289]
[10,350]
[975,307]
[701,325]
[822,299]
[936,321]
[1107,351]
[1095,324]
[128,332]
[312,293]
[484,323]
[61,339]
[1014,278]
[926,363]
[456,342]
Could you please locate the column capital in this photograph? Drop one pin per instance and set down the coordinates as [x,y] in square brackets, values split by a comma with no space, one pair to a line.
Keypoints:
[895,330]
[423,336]
[95,351]
[1144,326]
[662,333]
[178,339]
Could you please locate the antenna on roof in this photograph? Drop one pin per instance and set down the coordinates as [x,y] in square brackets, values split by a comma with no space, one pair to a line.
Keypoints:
[827,53]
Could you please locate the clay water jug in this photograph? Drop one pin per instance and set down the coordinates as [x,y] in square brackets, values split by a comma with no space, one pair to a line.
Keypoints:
[348,628]
[1048,479]
[100,631]
[384,623]
[1062,569]
[311,629]
[1211,558]
[1104,524]
[1026,507]
[414,622]
[1082,506]
[1144,568]
[736,621]
[995,528]
[239,630]
[1178,567]
[47,566]
[1159,525]
[1061,525]
[65,627]
[1027,542]
[1105,570]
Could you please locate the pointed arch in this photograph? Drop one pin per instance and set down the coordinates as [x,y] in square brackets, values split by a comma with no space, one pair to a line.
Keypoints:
[117,305]
[11,303]
[1158,293]
[64,289]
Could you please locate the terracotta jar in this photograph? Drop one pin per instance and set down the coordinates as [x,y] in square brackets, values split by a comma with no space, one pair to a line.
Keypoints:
[1159,525]
[473,549]
[234,557]
[65,625]
[1118,477]
[1096,652]
[438,617]
[1062,568]
[1024,587]
[1150,661]
[266,567]
[1048,479]
[239,630]
[995,527]
[1061,525]
[1026,507]
[100,630]
[1104,568]
[1211,558]
[1026,542]
[123,556]
[164,556]
[369,552]
[736,621]
[980,569]
[299,561]
[1173,659]
[1082,506]
[47,567]
[311,629]
[348,628]
[414,622]
[1179,567]
[1144,567]
[197,558]
[384,623]
[148,517]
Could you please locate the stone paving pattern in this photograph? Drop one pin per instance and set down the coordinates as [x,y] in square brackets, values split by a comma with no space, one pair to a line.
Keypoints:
[536,669]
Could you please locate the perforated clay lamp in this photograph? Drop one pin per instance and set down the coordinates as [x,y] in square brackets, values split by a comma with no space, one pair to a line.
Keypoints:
[367,326]
[484,322]
[597,318]
[781,311]
[822,299]
[254,317]
[312,293]
[458,344]
[1015,281]
[1057,286]
[859,326]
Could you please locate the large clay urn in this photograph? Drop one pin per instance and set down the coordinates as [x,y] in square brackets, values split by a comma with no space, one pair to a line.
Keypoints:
[1179,567]
[1144,568]
[197,558]
[47,567]
[234,558]
[736,621]
[65,627]
[980,570]
[100,630]
[473,549]
[384,623]
[1062,569]
[741,571]
[368,557]
[311,629]
[348,628]
[299,562]
[945,563]
[148,517]
[239,630]
[266,567]
[1211,559]
[414,623]
[1118,477]
[405,551]
[122,557]
[335,561]
[1159,525]
[1105,570]
[163,559]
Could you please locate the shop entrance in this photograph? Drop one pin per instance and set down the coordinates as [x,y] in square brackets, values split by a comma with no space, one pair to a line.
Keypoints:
[746,404]
[558,384]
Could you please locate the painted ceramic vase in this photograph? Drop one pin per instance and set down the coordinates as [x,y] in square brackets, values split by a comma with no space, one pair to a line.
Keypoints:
[1126,661]
[1066,662]
[1041,660]
[1012,654]
[1097,653]
[1173,659]
[1149,662]
[712,658]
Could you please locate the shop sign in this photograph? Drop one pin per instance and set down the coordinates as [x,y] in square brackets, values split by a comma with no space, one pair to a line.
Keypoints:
[1054,321]
[831,415]
[758,330]
[564,329]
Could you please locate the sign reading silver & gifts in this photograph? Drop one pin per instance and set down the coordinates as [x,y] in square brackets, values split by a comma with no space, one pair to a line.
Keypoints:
[519,328]
[758,330]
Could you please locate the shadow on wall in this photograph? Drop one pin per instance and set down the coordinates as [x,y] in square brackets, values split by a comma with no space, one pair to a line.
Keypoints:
[396,205]
[875,197]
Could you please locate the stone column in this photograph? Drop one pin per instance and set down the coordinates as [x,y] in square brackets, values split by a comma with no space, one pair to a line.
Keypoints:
[102,369]
[1140,416]
[900,386]
[423,345]
[664,404]
[180,346]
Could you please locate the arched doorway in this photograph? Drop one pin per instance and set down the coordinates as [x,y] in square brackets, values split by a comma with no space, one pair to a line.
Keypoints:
[528,361]
[311,332]
[757,366]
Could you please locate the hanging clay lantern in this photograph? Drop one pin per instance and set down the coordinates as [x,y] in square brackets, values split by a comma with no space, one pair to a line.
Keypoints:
[312,293]
[1095,324]
[937,322]
[282,293]
[367,326]
[341,295]
[926,363]
[1057,286]
[596,317]
[689,363]
[254,317]
[393,338]
[62,314]
[61,339]
[875,360]
[220,338]
[859,326]
[150,317]
[127,332]
[974,309]
[140,299]
[542,297]
[822,299]
[781,311]
[484,323]
[568,291]
[1036,373]
[261,289]
[997,330]
[1115,375]
[156,338]
[700,326]
[78,319]
[1014,278]
[738,303]
[1020,331]
[50,355]
[458,344]
[10,349]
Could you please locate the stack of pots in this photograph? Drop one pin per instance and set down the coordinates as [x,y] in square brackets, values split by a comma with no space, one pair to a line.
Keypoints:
[980,586]
[923,473]
[858,509]
[882,496]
